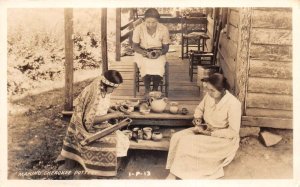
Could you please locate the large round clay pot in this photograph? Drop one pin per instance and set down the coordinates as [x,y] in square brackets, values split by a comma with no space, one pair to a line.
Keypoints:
[158,105]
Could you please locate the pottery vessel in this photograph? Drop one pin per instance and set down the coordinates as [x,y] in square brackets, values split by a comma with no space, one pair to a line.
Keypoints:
[174,107]
[156,136]
[135,132]
[158,105]
[147,133]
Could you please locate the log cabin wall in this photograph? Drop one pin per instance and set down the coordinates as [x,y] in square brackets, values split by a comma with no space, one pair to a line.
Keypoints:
[269,88]
[255,54]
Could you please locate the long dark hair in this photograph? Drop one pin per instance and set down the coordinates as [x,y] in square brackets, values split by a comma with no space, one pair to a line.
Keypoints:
[218,81]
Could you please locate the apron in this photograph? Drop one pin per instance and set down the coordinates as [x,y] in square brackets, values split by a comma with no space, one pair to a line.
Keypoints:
[151,66]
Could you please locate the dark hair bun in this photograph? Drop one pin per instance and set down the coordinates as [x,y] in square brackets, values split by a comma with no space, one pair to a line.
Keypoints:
[113,76]
[218,81]
[152,13]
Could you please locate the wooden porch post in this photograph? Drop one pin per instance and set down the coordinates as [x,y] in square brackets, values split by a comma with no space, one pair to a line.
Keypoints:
[118,34]
[68,15]
[242,64]
[104,39]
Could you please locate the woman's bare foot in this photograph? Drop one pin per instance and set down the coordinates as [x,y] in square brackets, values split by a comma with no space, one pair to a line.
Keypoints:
[171,177]
[68,165]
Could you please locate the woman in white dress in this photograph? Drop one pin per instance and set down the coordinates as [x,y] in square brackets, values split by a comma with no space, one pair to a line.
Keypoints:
[151,35]
[202,151]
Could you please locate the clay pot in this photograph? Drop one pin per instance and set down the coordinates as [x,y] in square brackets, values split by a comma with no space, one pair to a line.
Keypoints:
[158,105]
[157,136]
[147,133]
[135,132]
[184,111]
[155,94]
[174,107]
[144,109]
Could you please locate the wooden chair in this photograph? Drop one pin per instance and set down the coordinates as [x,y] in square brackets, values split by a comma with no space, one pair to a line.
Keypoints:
[193,33]
[138,82]
[202,58]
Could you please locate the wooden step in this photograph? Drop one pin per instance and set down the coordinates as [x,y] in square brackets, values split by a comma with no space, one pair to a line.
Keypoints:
[162,145]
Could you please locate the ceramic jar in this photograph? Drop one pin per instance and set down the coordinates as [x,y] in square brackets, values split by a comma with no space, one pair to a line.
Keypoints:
[147,133]
[158,105]
[157,136]
[174,107]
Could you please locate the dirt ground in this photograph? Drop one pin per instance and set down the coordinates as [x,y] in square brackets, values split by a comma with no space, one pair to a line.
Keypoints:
[36,129]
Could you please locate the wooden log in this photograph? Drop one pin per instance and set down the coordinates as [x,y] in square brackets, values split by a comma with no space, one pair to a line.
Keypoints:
[271,36]
[235,9]
[249,131]
[284,9]
[104,39]
[261,112]
[118,34]
[269,139]
[271,52]
[269,101]
[242,62]
[270,69]
[234,18]
[269,18]
[270,85]
[280,123]
[68,16]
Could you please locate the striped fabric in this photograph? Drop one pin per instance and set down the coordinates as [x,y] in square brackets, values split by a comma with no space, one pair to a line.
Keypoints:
[98,158]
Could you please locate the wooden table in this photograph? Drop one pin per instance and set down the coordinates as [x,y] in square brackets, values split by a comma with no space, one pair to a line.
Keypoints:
[167,121]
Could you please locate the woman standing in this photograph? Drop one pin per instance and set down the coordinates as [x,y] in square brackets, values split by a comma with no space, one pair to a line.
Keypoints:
[151,35]
[90,115]
[196,153]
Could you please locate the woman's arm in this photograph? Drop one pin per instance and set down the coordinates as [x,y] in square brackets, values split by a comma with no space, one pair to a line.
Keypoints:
[200,109]
[100,119]
[137,48]
[234,121]
[165,49]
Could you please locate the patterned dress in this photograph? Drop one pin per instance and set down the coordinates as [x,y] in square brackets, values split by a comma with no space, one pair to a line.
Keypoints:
[146,41]
[195,156]
[100,157]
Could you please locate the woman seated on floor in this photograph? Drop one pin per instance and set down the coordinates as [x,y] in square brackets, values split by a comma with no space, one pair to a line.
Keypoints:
[202,151]
[90,115]
[151,35]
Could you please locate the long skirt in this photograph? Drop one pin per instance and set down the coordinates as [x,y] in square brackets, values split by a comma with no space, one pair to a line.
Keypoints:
[99,157]
[194,156]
